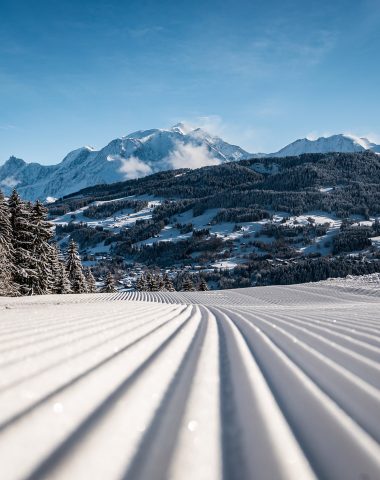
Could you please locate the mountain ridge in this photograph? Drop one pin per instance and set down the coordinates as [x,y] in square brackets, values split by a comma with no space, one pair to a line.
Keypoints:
[148,151]
[343,143]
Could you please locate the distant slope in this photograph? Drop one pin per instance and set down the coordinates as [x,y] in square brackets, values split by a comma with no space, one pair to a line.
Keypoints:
[271,218]
[293,174]
[263,383]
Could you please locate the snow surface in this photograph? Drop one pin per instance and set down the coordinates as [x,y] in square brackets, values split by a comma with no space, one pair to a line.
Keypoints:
[259,383]
[125,217]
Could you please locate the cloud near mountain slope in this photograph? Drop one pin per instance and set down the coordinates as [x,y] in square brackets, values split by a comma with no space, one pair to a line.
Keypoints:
[191,156]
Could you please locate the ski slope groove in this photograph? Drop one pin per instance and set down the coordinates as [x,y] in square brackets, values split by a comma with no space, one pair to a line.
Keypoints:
[264,383]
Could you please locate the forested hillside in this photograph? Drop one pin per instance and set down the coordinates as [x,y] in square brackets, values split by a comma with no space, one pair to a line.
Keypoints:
[253,222]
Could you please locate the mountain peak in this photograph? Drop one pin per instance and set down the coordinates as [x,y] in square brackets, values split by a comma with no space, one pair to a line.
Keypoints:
[14,162]
[342,142]
[149,151]
[182,127]
[138,154]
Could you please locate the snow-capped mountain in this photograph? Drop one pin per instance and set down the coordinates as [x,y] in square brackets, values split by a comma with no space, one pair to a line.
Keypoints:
[334,143]
[135,155]
[148,151]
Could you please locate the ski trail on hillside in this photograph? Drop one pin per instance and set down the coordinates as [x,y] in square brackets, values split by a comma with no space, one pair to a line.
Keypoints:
[272,382]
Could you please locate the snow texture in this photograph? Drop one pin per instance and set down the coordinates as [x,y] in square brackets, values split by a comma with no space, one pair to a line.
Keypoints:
[262,383]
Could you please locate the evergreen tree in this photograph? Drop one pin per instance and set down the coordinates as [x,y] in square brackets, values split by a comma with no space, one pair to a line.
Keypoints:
[61,280]
[26,272]
[5,227]
[45,254]
[153,283]
[91,283]
[7,287]
[160,283]
[188,285]
[149,282]
[63,285]
[168,284]
[7,270]
[55,268]
[75,270]
[203,287]
[141,284]
[109,284]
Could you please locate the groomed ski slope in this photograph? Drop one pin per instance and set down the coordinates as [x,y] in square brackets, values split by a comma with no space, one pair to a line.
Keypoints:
[261,383]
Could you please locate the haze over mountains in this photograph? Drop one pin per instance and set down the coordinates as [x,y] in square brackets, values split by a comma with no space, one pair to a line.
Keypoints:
[149,151]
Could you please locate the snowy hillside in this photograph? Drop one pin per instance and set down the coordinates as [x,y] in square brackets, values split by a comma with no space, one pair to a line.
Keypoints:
[335,143]
[263,383]
[135,155]
[259,221]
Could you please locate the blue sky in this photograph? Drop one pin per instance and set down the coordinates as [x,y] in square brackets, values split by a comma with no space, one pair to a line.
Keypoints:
[260,73]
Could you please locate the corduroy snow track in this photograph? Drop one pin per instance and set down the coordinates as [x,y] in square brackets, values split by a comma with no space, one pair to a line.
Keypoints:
[261,383]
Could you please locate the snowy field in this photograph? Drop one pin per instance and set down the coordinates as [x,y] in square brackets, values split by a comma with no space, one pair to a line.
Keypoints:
[262,383]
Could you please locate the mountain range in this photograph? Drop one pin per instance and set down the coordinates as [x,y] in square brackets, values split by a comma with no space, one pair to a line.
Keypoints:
[145,152]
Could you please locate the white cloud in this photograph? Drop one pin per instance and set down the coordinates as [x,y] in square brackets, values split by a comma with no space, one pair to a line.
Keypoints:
[373,137]
[10,182]
[249,137]
[212,124]
[315,135]
[191,156]
[312,136]
[133,167]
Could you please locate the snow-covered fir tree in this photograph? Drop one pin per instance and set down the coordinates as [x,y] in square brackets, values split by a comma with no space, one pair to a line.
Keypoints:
[109,284]
[5,226]
[203,287]
[25,263]
[160,283]
[74,269]
[149,281]
[62,284]
[188,285]
[7,285]
[168,284]
[45,254]
[154,283]
[141,284]
[91,283]
[29,263]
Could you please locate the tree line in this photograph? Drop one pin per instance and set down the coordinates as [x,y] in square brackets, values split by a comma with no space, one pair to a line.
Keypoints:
[150,282]
[30,263]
